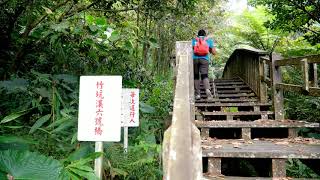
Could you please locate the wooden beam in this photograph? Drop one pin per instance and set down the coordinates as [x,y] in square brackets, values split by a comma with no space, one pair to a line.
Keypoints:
[296,60]
[296,88]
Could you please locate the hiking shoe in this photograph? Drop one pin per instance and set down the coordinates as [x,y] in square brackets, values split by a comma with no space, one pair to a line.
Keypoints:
[209,95]
[198,97]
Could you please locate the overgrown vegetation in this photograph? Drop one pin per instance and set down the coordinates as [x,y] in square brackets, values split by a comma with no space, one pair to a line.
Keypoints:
[47,45]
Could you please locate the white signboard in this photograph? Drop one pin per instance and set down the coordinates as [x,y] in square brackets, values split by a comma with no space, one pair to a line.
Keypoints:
[130,108]
[100,108]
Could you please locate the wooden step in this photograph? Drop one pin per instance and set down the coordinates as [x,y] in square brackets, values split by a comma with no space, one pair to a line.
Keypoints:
[255,124]
[228,83]
[230,95]
[240,113]
[227,100]
[248,104]
[221,177]
[299,148]
[230,91]
[233,91]
[228,80]
[229,87]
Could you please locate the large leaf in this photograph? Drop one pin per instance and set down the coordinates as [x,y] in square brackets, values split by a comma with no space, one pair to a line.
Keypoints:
[115,35]
[145,108]
[14,116]
[101,21]
[29,165]
[13,142]
[40,122]
[67,78]
[14,85]
[83,151]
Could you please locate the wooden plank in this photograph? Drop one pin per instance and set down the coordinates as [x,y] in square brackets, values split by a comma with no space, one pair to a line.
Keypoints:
[227,100]
[255,124]
[228,80]
[234,91]
[229,87]
[231,91]
[229,83]
[221,177]
[296,60]
[296,88]
[232,95]
[231,104]
[219,113]
[273,148]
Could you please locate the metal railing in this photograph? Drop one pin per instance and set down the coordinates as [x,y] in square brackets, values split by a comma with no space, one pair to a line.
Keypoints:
[182,154]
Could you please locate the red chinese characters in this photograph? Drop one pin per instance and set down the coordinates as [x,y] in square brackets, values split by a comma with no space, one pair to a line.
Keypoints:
[99,108]
[132,109]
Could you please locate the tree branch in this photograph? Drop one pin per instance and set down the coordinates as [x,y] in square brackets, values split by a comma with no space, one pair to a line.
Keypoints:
[303,8]
[31,26]
[67,12]
[81,9]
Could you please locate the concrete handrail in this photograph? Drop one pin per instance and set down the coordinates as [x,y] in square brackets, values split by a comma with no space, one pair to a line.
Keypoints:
[182,155]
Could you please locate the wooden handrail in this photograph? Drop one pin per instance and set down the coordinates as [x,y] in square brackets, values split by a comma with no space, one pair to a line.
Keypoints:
[259,71]
[245,64]
[182,154]
[310,80]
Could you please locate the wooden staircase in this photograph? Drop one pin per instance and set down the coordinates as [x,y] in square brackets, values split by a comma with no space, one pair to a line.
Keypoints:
[244,125]
[236,126]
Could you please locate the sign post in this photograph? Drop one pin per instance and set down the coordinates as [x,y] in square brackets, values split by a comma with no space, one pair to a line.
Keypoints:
[99,161]
[129,112]
[125,139]
[99,116]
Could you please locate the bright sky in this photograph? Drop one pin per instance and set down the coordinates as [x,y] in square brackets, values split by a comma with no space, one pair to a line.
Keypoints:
[237,6]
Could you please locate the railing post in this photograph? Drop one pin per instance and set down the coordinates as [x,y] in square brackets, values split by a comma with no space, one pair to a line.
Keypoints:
[263,84]
[314,74]
[277,93]
[305,74]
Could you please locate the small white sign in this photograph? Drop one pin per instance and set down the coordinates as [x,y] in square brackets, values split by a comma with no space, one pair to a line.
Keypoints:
[100,108]
[130,108]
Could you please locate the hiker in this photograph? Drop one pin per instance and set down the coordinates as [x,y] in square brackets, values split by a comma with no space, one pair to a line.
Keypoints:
[202,47]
